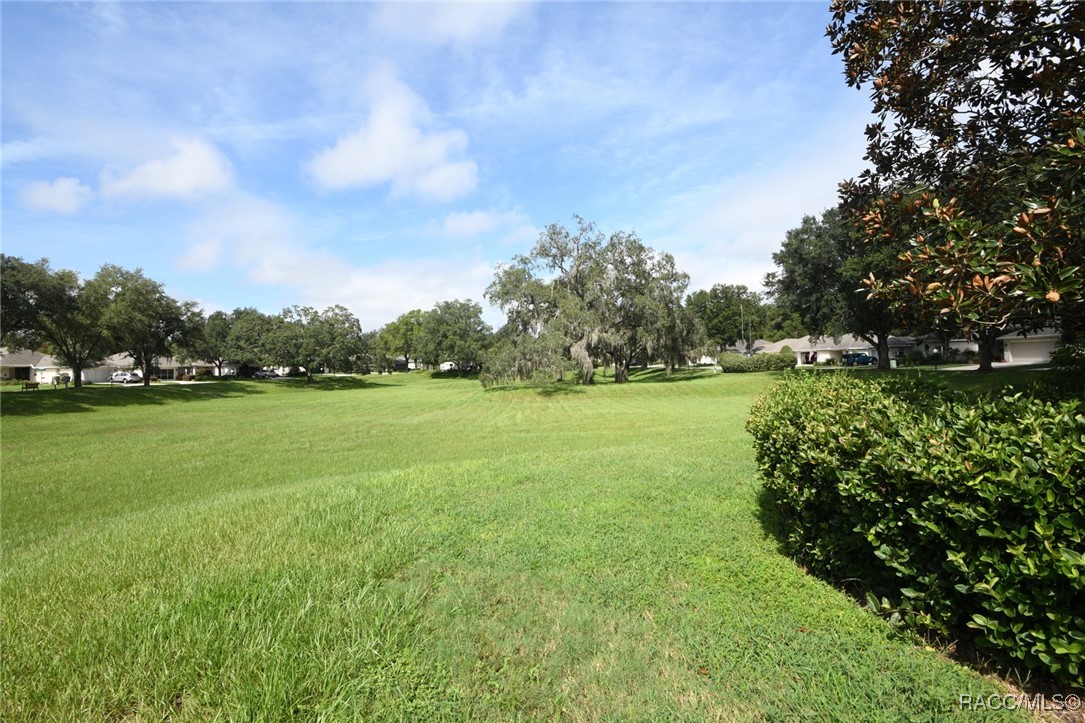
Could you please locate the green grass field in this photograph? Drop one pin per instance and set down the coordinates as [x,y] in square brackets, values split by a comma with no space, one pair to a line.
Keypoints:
[413,548]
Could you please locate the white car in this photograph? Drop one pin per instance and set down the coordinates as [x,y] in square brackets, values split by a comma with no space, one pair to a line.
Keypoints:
[125,377]
[265,374]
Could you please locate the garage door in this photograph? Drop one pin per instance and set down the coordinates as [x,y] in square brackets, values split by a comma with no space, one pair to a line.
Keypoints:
[1032,351]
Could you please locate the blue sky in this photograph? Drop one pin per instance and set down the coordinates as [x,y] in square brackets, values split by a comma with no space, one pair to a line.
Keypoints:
[387,157]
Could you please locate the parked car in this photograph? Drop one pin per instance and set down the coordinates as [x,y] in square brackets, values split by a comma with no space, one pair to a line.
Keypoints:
[125,377]
[858,360]
[265,374]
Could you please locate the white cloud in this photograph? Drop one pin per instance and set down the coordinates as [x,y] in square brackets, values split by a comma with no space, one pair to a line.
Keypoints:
[248,227]
[439,23]
[196,168]
[64,195]
[463,223]
[201,256]
[391,147]
[473,223]
[380,293]
[727,233]
[267,244]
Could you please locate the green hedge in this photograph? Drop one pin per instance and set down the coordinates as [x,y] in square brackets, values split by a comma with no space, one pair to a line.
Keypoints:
[731,362]
[964,516]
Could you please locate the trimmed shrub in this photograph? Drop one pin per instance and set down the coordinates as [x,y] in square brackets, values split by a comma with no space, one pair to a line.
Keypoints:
[736,363]
[964,516]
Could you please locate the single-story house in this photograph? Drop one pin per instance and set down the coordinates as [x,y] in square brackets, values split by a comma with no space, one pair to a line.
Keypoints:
[19,364]
[935,344]
[229,369]
[35,366]
[400,364]
[810,351]
[1033,347]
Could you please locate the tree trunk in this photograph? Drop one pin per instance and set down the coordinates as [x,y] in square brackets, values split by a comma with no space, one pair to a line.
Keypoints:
[147,369]
[77,375]
[987,351]
[621,368]
[883,352]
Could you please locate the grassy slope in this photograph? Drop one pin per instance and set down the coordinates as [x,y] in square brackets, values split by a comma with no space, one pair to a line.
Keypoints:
[411,548]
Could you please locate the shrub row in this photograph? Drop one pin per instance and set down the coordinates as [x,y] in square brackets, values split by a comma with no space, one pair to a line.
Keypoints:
[964,516]
[731,362]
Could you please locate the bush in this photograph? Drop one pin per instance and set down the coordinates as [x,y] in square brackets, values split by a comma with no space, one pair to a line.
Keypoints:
[205,376]
[736,363]
[963,515]
[1068,366]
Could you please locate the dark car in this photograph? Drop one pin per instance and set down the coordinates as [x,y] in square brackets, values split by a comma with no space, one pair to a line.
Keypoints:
[858,360]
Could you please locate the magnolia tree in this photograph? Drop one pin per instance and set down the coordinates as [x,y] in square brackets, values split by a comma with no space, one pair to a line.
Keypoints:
[975,156]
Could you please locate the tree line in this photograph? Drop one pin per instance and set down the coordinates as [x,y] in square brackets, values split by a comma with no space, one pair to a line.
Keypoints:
[576,301]
[82,322]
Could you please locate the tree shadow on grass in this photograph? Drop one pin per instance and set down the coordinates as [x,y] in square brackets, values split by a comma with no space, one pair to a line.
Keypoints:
[772,520]
[560,390]
[323,383]
[654,376]
[98,396]
[454,374]
[556,389]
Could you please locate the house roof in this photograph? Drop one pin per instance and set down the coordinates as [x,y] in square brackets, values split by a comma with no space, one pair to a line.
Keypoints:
[826,343]
[20,357]
[765,347]
[26,358]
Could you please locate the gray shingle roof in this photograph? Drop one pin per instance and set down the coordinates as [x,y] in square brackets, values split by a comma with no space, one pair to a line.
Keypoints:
[20,358]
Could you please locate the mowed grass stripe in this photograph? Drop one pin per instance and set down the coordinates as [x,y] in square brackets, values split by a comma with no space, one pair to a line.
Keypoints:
[583,555]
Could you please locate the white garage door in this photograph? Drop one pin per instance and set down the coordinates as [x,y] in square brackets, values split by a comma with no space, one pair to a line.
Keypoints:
[1032,351]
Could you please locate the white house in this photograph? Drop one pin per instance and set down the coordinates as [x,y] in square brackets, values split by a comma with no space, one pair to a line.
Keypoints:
[1032,348]
[34,366]
[810,351]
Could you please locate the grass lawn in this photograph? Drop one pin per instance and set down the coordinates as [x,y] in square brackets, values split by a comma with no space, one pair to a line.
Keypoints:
[413,548]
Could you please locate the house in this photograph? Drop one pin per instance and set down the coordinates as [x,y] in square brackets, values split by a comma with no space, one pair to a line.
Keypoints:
[229,369]
[810,351]
[401,364]
[20,364]
[935,344]
[1033,347]
[36,366]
